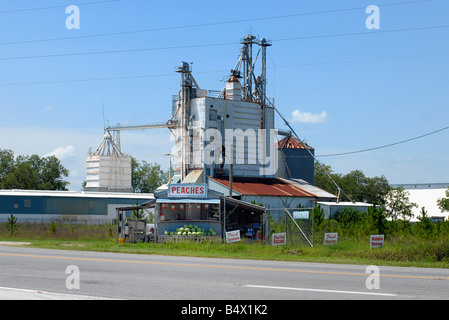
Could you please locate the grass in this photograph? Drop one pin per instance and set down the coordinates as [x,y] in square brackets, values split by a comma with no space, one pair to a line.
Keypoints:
[410,251]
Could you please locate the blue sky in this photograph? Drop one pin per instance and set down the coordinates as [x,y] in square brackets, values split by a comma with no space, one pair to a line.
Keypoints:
[341,93]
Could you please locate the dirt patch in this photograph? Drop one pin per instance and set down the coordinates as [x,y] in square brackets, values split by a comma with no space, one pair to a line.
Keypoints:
[72,245]
[13,243]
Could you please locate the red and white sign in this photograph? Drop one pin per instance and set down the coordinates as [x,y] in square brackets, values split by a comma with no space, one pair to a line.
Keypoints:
[233,236]
[330,238]
[377,241]
[187,190]
[279,239]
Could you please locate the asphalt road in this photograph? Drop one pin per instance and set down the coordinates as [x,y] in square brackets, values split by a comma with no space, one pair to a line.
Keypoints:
[28,273]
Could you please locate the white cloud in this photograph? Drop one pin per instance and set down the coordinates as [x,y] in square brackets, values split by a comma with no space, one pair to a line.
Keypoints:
[306,117]
[63,153]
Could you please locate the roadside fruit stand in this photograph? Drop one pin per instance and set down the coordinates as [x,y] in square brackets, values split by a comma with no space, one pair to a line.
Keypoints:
[194,212]
[187,211]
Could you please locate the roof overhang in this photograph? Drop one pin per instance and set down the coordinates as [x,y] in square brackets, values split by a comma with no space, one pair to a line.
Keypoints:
[242,204]
[187,200]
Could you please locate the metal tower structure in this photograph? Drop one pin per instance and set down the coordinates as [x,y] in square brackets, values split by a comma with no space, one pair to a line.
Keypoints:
[254,87]
[110,146]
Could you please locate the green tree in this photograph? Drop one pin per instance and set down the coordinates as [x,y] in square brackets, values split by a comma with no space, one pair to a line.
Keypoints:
[138,213]
[6,163]
[322,180]
[349,216]
[318,216]
[11,224]
[147,177]
[398,204]
[31,172]
[443,203]
[376,190]
[424,221]
[379,219]
[52,173]
[355,184]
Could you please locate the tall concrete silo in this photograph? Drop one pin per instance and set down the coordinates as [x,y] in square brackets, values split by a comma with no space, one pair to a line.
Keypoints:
[108,169]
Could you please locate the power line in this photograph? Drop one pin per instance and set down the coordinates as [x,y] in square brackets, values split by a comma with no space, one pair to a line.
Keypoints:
[197,25]
[309,151]
[384,146]
[209,45]
[360,33]
[364,60]
[55,7]
[86,80]
[219,71]
[116,51]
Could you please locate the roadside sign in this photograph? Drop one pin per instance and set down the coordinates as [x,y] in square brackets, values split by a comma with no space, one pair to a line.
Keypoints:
[187,190]
[279,239]
[303,215]
[377,241]
[330,238]
[233,236]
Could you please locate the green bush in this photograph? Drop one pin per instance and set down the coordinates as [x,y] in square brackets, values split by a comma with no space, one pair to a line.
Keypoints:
[11,224]
[354,225]
[51,228]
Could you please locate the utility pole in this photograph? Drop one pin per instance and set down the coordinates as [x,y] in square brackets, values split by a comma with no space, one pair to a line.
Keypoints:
[231,171]
[186,88]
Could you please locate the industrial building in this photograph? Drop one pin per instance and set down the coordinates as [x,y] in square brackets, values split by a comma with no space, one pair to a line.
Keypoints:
[331,208]
[108,186]
[296,160]
[214,130]
[426,195]
[227,142]
[108,169]
[38,206]
[272,193]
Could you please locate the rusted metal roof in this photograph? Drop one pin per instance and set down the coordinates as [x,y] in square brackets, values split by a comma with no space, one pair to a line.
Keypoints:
[292,143]
[264,187]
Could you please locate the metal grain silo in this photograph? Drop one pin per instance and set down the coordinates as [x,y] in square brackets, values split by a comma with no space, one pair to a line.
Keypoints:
[296,160]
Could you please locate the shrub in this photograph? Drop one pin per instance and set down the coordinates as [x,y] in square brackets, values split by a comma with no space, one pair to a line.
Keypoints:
[11,224]
[51,228]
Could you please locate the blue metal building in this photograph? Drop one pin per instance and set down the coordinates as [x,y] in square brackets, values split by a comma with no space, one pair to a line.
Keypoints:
[66,206]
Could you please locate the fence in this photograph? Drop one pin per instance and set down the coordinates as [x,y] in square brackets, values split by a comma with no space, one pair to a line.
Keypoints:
[297,224]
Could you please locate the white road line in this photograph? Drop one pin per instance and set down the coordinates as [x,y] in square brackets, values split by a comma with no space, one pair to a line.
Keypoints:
[26,294]
[323,290]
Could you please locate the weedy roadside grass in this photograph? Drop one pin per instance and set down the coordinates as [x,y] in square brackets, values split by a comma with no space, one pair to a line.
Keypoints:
[410,251]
